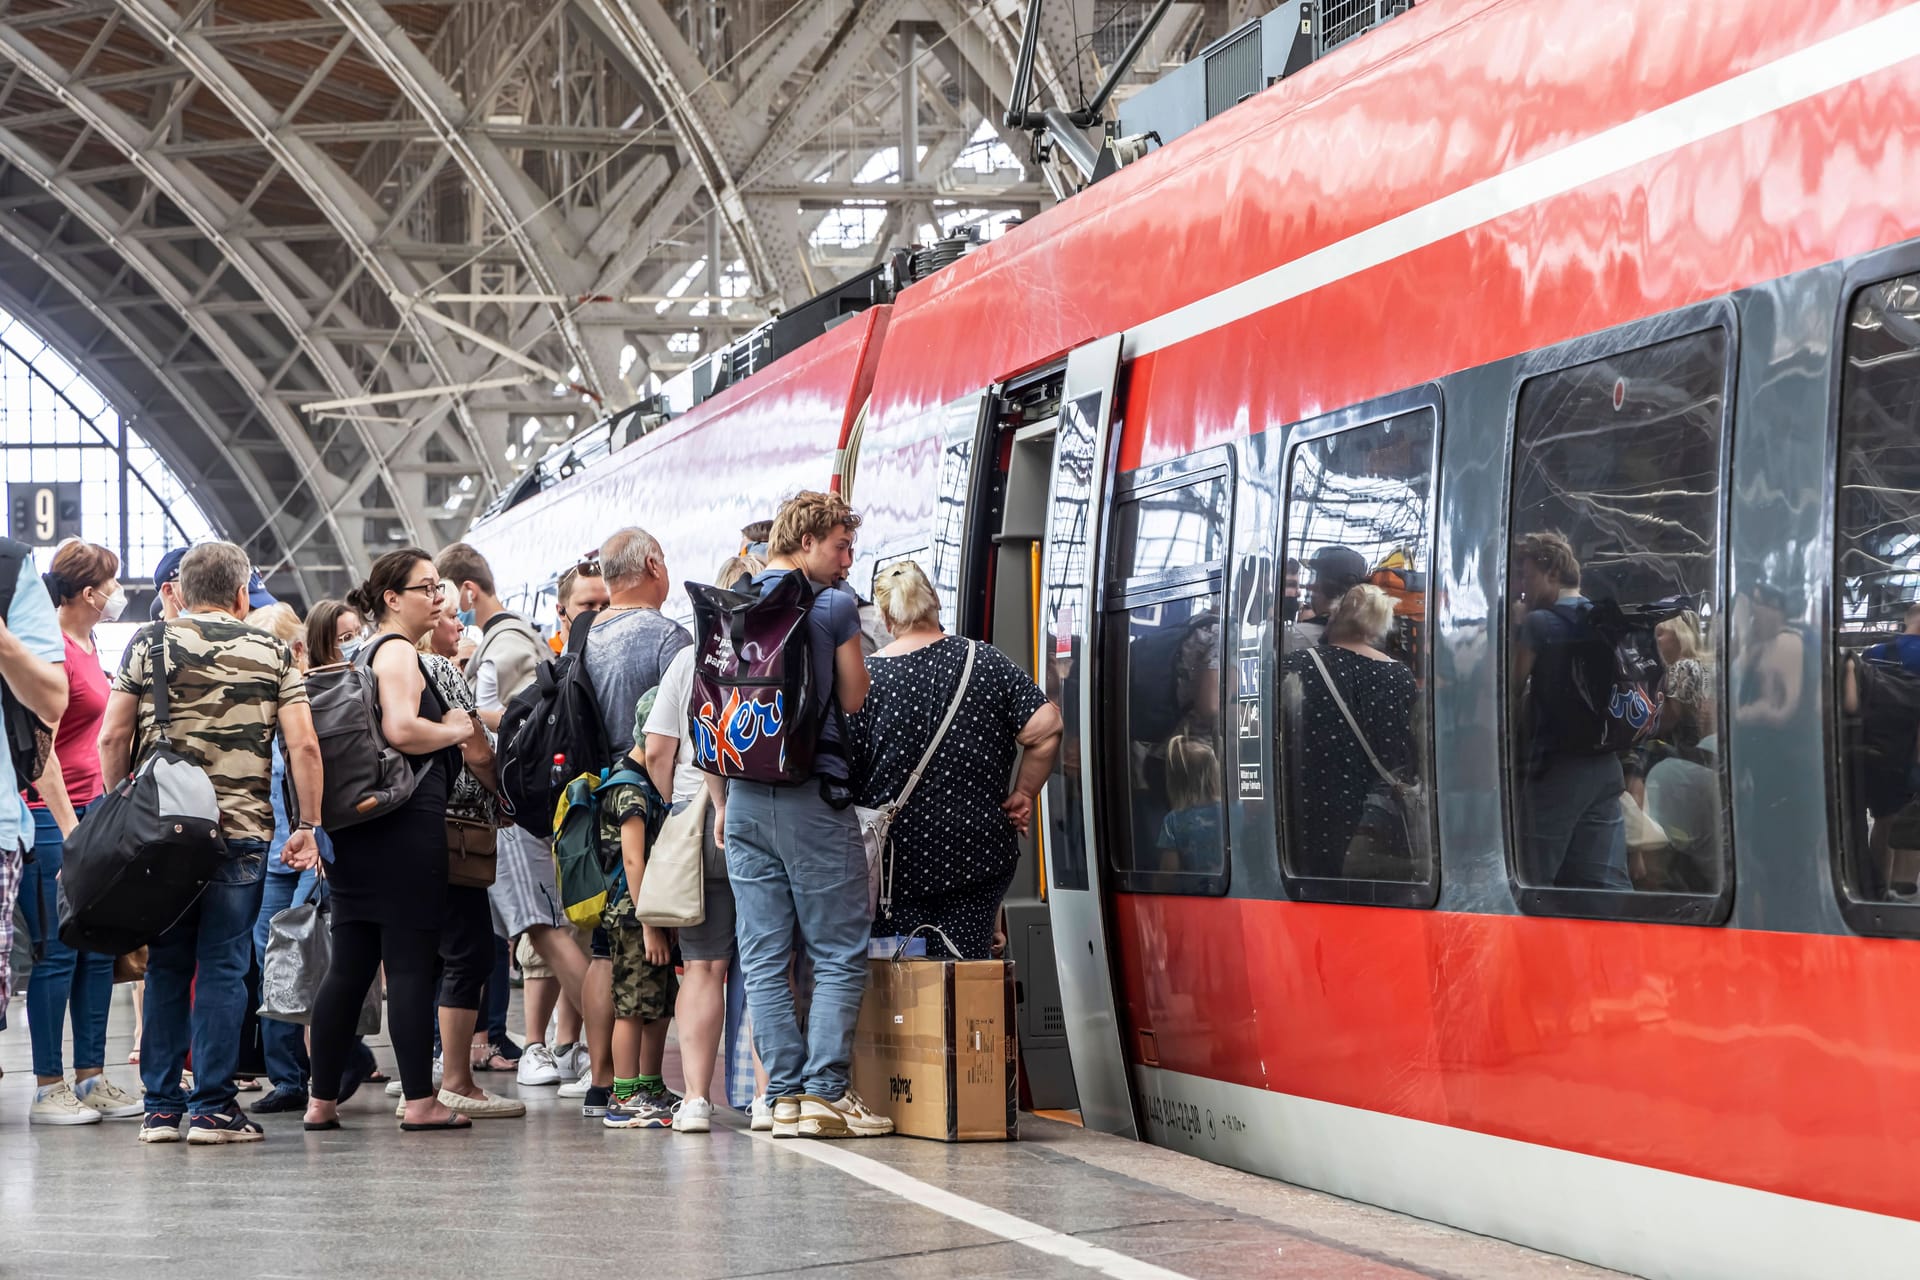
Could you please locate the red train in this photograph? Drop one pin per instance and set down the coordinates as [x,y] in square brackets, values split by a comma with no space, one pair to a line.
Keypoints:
[1646,275]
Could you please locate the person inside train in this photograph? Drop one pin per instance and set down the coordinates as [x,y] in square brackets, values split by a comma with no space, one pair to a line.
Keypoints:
[955,843]
[1881,733]
[1573,828]
[1672,780]
[706,949]
[1349,748]
[795,855]
[1903,648]
[1336,571]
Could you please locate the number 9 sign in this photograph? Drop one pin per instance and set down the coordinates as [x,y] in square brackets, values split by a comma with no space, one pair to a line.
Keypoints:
[43,515]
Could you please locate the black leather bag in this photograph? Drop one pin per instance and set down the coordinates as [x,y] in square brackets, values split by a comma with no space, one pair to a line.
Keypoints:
[144,853]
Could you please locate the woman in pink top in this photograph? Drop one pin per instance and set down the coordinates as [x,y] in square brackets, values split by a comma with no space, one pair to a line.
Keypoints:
[83,584]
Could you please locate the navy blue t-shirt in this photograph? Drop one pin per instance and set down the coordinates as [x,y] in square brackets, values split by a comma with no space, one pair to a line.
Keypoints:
[835,619]
[1548,633]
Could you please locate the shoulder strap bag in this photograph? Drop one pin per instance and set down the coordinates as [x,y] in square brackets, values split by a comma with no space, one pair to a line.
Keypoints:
[876,825]
[1407,800]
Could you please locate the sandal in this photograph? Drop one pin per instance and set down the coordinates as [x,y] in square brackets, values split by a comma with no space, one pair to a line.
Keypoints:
[457,1122]
[495,1061]
[133,1059]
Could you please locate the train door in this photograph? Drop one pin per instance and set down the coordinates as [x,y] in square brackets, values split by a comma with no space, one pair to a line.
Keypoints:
[1070,613]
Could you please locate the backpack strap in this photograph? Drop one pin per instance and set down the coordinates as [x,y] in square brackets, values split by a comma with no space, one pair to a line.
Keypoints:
[157,670]
[578,632]
[940,734]
[1352,723]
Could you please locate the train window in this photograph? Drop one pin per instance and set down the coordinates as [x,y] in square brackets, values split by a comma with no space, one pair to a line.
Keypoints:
[1877,599]
[1352,732]
[1614,683]
[1164,643]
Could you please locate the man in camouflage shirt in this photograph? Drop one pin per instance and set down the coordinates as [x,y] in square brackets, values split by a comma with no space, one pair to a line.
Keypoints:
[229,687]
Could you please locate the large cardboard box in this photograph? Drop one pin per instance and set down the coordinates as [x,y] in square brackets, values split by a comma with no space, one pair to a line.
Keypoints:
[935,1049]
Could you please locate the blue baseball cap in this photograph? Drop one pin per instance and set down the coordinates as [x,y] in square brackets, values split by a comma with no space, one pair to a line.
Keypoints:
[258,597]
[168,570]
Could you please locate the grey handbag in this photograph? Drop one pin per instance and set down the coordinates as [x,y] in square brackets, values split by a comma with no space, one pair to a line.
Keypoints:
[299,949]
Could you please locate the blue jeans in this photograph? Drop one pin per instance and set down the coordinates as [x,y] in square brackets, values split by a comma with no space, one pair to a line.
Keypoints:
[63,979]
[284,1044]
[1573,826]
[798,863]
[197,989]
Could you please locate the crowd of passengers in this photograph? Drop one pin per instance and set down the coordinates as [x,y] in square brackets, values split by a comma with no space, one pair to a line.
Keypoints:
[787,884]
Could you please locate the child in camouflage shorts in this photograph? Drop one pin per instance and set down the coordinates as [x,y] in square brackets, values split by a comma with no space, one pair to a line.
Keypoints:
[644,985]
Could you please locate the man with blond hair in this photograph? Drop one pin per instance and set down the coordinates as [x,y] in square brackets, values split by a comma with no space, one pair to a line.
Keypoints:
[795,856]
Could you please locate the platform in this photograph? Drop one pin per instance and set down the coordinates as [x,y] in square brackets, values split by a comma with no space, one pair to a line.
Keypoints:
[556,1192]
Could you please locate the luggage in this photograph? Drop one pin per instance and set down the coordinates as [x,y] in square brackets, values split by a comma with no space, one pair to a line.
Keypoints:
[935,1049]
[550,732]
[28,741]
[364,776]
[144,852]
[753,712]
[588,875]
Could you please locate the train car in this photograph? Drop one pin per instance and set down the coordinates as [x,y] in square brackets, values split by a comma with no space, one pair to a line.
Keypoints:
[1645,278]
[697,480]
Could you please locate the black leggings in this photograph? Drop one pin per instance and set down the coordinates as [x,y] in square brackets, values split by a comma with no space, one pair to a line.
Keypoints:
[412,958]
[466,947]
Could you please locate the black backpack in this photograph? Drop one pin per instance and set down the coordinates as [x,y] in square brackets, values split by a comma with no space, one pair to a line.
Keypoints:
[1616,678]
[143,853]
[28,741]
[550,733]
[365,777]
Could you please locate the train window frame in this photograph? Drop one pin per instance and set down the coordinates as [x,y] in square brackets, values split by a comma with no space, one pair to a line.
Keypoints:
[1416,895]
[1650,906]
[1117,597]
[1866,916]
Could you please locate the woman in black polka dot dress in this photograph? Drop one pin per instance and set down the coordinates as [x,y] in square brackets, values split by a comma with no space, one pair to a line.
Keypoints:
[1329,776]
[955,843]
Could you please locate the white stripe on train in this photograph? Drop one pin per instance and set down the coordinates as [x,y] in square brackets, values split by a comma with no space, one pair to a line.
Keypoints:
[1806,73]
[1645,1221]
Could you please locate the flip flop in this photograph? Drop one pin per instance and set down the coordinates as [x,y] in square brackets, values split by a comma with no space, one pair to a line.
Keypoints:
[457,1122]
[319,1126]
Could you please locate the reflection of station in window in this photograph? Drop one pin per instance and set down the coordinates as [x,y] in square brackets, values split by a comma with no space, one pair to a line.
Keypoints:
[43,515]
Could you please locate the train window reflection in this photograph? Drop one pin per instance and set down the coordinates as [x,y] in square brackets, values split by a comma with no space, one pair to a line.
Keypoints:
[1878,595]
[1353,744]
[1174,744]
[1172,529]
[1617,626]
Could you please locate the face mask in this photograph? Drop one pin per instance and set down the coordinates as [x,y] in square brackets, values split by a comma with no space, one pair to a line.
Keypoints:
[465,616]
[116,603]
[350,647]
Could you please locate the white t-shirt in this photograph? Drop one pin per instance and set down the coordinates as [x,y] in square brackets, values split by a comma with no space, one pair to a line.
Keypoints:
[486,687]
[669,719]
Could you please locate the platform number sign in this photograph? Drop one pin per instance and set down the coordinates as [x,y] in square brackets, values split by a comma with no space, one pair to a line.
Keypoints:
[42,515]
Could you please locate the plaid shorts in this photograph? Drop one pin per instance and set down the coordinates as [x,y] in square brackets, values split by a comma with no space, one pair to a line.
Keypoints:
[640,990]
[11,863]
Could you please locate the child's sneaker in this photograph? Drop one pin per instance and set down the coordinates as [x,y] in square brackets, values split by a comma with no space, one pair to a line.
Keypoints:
[641,1111]
[221,1127]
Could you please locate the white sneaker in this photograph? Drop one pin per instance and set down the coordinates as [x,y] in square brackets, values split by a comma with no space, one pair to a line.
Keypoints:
[575,1062]
[693,1115]
[862,1121]
[394,1089]
[576,1087]
[538,1066]
[55,1104]
[784,1117]
[760,1112]
[109,1099]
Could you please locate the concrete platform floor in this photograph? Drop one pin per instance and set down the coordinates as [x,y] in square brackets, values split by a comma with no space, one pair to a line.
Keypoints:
[556,1193]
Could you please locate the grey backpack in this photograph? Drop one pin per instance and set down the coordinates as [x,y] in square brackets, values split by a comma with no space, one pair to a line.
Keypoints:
[366,777]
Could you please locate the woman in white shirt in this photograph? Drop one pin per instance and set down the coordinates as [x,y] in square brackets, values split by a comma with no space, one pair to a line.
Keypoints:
[705,948]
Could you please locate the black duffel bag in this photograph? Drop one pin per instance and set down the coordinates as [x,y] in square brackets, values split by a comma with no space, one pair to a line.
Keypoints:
[145,851]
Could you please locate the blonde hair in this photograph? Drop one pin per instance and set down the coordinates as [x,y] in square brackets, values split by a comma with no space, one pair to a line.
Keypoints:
[905,598]
[1365,613]
[1684,627]
[733,568]
[281,622]
[809,514]
[1193,772]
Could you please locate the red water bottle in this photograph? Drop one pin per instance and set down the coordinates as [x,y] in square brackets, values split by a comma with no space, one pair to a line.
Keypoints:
[559,776]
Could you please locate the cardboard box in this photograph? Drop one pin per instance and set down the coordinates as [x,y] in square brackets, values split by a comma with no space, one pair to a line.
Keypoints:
[936,1051]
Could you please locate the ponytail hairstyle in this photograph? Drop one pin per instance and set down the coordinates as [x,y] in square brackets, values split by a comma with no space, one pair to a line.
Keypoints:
[78,565]
[389,573]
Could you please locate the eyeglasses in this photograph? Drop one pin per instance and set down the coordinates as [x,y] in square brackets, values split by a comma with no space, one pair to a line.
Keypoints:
[426,588]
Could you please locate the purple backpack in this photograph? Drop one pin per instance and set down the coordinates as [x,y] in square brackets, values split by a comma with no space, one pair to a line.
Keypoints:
[753,713]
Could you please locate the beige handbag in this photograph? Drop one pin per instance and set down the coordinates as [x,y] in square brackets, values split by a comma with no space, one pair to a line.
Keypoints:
[673,892]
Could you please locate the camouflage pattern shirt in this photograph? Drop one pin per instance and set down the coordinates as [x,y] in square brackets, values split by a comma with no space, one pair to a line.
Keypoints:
[226,683]
[621,803]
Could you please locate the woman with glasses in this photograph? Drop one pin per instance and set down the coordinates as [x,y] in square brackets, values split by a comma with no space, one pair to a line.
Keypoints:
[389,875]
